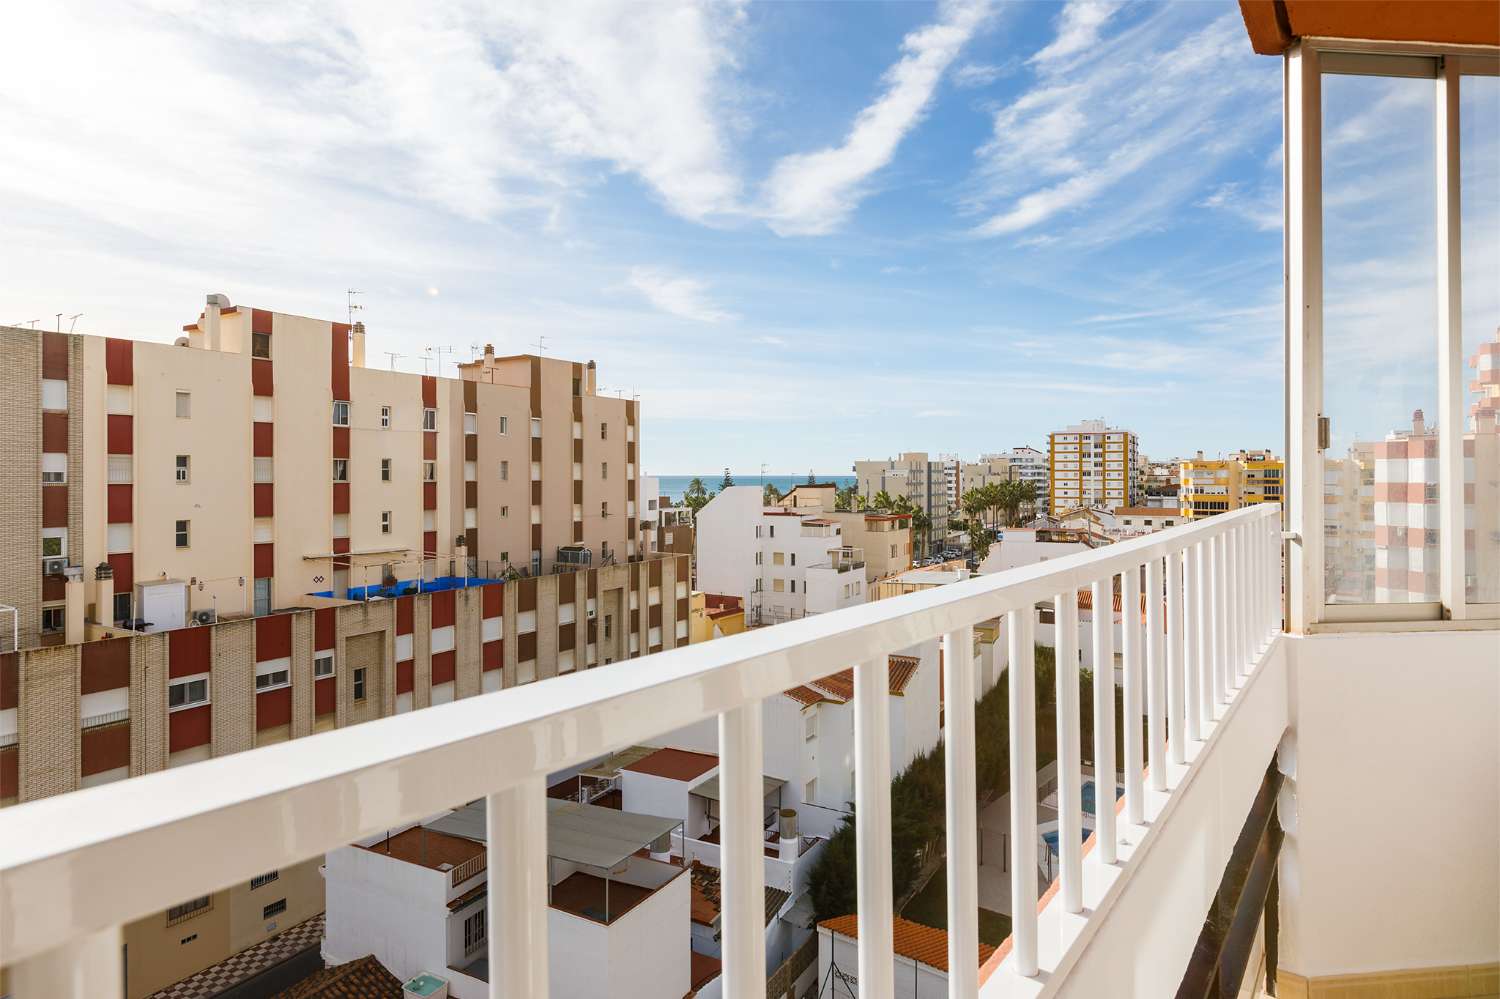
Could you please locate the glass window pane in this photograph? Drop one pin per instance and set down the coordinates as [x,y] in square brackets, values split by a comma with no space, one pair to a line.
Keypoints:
[1380,373]
[1479,163]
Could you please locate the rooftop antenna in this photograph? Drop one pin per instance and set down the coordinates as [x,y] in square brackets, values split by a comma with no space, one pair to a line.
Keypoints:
[393,355]
[73,320]
[353,308]
[59,322]
[426,358]
[440,351]
[29,322]
[541,343]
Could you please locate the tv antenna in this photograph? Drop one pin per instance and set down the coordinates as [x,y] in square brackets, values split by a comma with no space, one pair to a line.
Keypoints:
[28,322]
[439,351]
[353,308]
[541,343]
[393,356]
[73,320]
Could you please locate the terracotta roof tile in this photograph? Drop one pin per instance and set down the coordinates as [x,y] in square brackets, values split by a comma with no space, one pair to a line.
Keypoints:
[675,764]
[364,978]
[922,944]
[838,688]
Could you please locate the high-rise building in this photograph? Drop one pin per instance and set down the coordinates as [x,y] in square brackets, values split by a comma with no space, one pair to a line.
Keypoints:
[258,459]
[925,483]
[1094,464]
[1216,485]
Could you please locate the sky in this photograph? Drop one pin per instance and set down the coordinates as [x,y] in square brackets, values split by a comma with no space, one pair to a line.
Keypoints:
[801,233]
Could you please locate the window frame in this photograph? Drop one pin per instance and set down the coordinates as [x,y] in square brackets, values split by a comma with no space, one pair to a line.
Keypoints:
[321,656]
[341,411]
[187,683]
[182,534]
[1305,65]
[385,417]
[182,396]
[182,468]
[359,686]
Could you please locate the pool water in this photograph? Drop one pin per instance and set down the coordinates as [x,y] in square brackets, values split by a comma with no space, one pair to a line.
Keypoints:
[1051,837]
[1088,796]
[409,586]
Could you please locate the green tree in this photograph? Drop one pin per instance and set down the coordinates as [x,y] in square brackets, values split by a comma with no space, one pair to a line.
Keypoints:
[812,480]
[696,496]
[770,495]
[727,481]
[882,501]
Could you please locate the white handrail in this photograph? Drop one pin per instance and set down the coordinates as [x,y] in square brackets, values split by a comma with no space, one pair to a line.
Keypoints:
[80,863]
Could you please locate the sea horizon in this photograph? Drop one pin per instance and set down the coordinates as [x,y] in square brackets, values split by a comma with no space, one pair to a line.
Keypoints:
[675,485]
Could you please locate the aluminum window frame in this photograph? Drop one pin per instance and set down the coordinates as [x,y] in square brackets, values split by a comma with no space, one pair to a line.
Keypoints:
[1304,66]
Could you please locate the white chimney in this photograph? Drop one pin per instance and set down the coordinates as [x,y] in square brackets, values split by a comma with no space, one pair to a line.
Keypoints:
[359,344]
[790,841]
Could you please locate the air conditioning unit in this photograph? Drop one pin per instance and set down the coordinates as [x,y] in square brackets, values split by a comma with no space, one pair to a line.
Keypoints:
[54,566]
[205,616]
[593,613]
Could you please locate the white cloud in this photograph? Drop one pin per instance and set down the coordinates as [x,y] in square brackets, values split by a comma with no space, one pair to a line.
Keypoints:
[1078,28]
[981,74]
[813,193]
[676,295]
[1146,119]
[1261,210]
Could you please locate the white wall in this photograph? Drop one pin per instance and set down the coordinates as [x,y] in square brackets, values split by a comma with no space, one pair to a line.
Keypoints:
[1393,861]
[726,541]
[386,907]
[912,980]
[649,794]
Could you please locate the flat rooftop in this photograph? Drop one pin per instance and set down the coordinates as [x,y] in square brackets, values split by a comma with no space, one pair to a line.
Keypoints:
[674,764]
[428,848]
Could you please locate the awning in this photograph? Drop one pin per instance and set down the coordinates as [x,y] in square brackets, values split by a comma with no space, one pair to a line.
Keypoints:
[585,834]
[710,788]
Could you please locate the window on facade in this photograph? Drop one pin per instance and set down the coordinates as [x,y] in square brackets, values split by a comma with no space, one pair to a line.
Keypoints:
[272,679]
[178,913]
[536,426]
[429,471]
[359,683]
[340,413]
[474,927]
[122,607]
[603,469]
[810,790]
[54,619]
[187,693]
[385,417]
[385,522]
[429,419]
[504,471]
[120,469]
[264,879]
[341,469]
[182,532]
[385,469]
[505,511]
[54,394]
[604,431]
[260,345]
[322,664]
[184,467]
[471,423]
[54,469]
[184,405]
[604,509]
[810,725]
[276,908]
[504,425]
[264,470]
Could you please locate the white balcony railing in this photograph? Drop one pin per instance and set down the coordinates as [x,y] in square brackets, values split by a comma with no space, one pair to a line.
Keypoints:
[75,867]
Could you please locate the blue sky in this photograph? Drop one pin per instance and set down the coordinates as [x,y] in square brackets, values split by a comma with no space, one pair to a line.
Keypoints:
[803,234]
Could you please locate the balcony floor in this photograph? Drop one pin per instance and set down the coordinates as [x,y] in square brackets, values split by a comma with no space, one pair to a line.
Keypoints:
[584,895]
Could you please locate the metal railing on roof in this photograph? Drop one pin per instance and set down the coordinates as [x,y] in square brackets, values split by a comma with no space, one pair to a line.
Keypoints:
[80,865]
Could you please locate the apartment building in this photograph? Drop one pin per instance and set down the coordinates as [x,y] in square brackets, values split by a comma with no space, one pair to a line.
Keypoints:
[883,538]
[1093,464]
[925,483]
[785,563]
[665,527]
[953,485]
[1030,465]
[1209,486]
[1133,521]
[258,459]
[1162,477]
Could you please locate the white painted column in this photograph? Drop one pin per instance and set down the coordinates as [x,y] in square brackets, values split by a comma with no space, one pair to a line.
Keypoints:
[962,816]
[1131,631]
[1192,638]
[1234,590]
[88,967]
[872,827]
[1104,721]
[1069,777]
[517,858]
[1247,595]
[1222,628]
[1156,684]
[1176,731]
[1213,689]
[1023,834]
[742,853]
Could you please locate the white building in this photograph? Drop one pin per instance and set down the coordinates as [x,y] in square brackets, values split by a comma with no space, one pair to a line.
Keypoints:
[617,923]
[1030,465]
[1133,521]
[1094,464]
[1020,546]
[784,563]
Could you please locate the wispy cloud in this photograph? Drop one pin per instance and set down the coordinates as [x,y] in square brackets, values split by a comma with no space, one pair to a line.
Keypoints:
[813,193]
[1148,116]
[1261,210]
[677,295]
[982,74]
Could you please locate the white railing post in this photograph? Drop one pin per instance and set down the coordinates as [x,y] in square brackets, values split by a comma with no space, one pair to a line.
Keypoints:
[1130,628]
[872,826]
[1069,776]
[963,820]
[516,824]
[1221,625]
[1175,633]
[1104,720]
[742,853]
[1023,848]
[1156,686]
[87,967]
[1246,591]
[1192,620]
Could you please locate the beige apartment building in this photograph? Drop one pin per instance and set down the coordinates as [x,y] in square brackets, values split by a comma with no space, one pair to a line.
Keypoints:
[1094,465]
[926,483]
[884,538]
[190,472]
[248,537]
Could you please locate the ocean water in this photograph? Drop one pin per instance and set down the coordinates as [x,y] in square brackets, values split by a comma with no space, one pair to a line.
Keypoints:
[675,485]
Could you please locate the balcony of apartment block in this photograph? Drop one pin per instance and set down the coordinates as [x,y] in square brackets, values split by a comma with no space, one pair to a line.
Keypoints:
[1311,782]
[789,856]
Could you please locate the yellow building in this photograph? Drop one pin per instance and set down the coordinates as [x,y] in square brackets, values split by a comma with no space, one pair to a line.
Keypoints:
[1094,465]
[714,615]
[1217,485]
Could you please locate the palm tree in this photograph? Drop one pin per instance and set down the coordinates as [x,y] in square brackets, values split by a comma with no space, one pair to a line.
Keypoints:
[882,501]
[727,481]
[921,526]
[696,496]
[1026,494]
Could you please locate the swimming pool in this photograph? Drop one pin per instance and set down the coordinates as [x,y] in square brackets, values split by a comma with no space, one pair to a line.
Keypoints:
[410,586]
[1088,796]
[1052,838]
